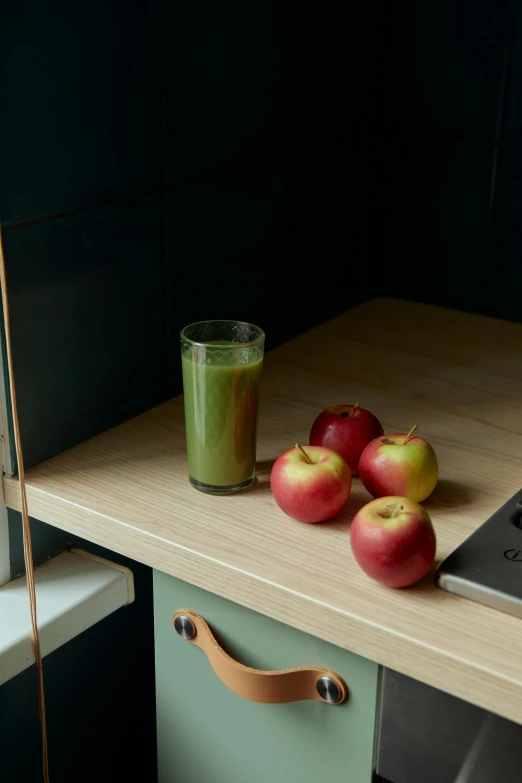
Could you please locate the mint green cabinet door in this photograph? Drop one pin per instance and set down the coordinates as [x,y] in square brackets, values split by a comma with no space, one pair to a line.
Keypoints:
[208,734]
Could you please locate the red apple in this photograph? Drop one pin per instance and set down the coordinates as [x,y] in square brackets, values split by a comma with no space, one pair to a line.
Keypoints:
[346,429]
[401,464]
[310,484]
[393,541]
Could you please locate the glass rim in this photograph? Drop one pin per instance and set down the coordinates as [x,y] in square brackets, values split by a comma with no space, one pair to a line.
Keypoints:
[259,338]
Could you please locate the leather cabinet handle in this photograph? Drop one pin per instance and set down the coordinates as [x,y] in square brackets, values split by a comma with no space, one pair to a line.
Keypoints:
[270,687]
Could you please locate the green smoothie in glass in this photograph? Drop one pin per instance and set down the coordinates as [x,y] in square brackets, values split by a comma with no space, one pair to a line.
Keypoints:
[222,363]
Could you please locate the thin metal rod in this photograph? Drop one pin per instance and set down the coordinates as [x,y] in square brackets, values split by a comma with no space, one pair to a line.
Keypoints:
[28,549]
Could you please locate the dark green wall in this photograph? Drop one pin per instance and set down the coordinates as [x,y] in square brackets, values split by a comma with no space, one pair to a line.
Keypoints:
[449,191]
[267,195]
[82,208]
[165,163]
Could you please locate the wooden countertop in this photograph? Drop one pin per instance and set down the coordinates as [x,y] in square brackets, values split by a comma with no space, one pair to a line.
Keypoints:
[456,375]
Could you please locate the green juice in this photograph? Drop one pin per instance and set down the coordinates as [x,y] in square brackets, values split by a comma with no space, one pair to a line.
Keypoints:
[221,409]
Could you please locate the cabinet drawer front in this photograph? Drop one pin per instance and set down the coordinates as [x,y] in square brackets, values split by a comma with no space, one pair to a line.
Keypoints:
[208,734]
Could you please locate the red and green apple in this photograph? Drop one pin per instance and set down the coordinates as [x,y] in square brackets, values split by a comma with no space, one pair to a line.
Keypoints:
[346,429]
[393,541]
[312,484]
[403,465]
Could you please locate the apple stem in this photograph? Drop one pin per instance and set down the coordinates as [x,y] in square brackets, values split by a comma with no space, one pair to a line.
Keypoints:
[307,458]
[355,408]
[408,436]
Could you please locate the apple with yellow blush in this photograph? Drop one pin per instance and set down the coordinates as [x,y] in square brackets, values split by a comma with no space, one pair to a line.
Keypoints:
[310,484]
[403,465]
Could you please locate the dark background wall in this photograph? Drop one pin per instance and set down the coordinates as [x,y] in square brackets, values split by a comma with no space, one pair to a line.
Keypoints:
[82,207]
[451,154]
[167,162]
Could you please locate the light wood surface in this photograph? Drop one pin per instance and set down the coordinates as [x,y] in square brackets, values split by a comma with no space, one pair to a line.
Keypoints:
[458,376]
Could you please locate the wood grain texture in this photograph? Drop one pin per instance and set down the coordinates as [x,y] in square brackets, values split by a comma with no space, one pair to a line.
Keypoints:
[456,375]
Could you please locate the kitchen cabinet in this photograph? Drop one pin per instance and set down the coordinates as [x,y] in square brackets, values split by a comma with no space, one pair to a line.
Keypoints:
[208,733]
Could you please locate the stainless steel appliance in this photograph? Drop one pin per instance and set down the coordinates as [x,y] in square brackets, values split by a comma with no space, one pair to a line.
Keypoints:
[427,736]
[487,567]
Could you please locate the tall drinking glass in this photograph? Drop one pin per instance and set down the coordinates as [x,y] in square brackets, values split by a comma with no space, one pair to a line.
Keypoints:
[222,362]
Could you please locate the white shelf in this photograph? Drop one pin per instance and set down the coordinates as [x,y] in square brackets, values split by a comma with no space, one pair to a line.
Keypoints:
[74,591]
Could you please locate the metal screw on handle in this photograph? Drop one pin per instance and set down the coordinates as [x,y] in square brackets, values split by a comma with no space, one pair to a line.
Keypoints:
[328,690]
[184,626]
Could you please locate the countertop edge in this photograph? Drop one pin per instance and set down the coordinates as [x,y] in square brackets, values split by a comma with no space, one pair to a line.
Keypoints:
[479,686]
